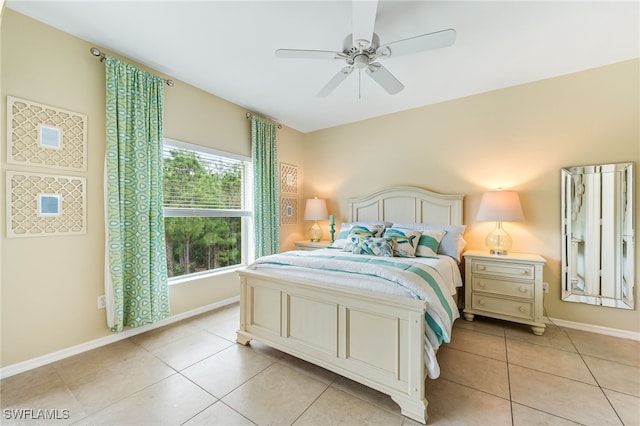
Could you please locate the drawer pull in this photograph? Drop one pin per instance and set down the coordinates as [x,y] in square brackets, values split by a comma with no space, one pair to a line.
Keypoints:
[522,309]
[481,267]
[481,283]
[523,289]
[523,272]
[481,301]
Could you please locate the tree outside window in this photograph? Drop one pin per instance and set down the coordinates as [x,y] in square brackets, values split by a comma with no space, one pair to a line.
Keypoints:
[205,208]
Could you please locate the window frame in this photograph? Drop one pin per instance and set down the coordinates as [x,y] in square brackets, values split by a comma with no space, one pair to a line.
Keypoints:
[246,227]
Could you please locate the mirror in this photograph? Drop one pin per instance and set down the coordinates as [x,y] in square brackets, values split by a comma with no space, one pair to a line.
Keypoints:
[598,252]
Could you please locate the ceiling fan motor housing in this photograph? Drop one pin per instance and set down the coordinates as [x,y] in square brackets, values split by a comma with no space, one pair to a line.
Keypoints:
[360,56]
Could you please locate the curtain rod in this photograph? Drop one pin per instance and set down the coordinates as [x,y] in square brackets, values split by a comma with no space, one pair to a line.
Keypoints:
[96,52]
[250,115]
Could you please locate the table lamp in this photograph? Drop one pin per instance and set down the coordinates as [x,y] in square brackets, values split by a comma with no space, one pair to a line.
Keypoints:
[499,206]
[316,209]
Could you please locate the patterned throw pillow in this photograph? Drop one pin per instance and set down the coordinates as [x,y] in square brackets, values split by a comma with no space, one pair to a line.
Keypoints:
[345,228]
[405,241]
[453,241]
[362,231]
[429,243]
[373,246]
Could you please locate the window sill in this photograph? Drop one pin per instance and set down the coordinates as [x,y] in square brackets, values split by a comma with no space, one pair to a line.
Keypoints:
[205,274]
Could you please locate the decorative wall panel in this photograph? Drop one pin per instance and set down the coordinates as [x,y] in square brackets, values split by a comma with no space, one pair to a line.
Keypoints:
[288,178]
[41,205]
[288,211]
[44,136]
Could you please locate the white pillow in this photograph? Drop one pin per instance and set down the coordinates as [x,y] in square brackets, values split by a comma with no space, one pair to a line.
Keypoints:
[452,243]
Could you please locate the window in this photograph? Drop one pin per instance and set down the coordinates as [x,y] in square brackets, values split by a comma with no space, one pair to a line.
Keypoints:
[206,207]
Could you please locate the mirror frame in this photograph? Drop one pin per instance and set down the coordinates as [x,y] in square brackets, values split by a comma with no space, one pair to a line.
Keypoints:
[619,265]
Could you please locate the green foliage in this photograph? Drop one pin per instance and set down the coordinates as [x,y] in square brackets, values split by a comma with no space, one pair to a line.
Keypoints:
[201,243]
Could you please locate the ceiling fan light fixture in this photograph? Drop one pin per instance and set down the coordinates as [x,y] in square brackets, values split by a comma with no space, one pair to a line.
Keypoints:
[361,61]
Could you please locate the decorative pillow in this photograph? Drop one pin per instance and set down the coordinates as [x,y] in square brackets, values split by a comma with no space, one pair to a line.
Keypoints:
[451,244]
[362,231]
[429,243]
[405,241]
[373,246]
[343,235]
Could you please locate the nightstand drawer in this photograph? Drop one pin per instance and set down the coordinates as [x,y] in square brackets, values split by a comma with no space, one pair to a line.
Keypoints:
[504,269]
[507,288]
[496,305]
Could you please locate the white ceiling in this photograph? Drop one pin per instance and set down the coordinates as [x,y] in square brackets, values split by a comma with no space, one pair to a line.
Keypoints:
[227,47]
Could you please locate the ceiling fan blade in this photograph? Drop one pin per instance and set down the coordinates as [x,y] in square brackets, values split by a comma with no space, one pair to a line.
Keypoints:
[419,43]
[364,19]
[309,54]
[335,81]
[384,78]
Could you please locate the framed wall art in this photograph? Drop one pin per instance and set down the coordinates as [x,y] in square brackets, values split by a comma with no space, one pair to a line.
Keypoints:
[45,136]
[40,205]
[288,211]
[288,178]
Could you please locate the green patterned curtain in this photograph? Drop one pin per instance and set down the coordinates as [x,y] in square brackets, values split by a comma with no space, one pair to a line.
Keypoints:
[136,269]
[266,198]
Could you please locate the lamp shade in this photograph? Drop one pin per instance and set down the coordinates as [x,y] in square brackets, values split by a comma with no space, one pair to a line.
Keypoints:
[500,206]
[316,209]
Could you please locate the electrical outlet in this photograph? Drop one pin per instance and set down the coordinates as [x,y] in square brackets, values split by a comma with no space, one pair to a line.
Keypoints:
[545,287]
[101,302]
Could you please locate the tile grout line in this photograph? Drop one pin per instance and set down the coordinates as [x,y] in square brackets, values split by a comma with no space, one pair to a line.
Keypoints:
[179,372]
[310,404]
[510,399]
[89,414]
[506,357]
[586,365]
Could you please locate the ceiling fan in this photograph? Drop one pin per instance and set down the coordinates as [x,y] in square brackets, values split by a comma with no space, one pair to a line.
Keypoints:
[362,48]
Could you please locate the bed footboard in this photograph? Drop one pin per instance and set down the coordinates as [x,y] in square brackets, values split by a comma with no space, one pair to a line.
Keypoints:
[376,340]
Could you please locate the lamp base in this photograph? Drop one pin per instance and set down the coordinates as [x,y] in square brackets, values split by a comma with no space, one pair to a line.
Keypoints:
[316,233]
[498,241]
[498,252]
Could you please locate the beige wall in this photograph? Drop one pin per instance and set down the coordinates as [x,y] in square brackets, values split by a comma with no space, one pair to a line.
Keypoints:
[49,286]
[516,138]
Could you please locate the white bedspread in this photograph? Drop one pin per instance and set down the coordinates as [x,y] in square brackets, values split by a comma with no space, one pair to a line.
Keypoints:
[433,280]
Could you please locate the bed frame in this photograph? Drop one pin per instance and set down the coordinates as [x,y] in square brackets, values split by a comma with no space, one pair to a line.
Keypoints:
[373,339]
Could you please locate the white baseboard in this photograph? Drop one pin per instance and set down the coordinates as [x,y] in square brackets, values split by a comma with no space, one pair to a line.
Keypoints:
[625,334]
[21,367]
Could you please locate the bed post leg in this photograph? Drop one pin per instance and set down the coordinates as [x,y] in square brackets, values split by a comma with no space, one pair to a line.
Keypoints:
[412,408]
[242,337]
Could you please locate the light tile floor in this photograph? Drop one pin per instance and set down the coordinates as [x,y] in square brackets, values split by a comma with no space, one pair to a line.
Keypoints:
[192,373]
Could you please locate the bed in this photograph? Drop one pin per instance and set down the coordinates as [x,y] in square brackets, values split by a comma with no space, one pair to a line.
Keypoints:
[299,303]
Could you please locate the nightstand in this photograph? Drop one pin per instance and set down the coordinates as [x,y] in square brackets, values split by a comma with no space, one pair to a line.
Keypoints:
[507,287]
[309,245]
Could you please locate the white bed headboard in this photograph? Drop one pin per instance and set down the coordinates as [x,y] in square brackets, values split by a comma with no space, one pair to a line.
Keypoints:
[407,204]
